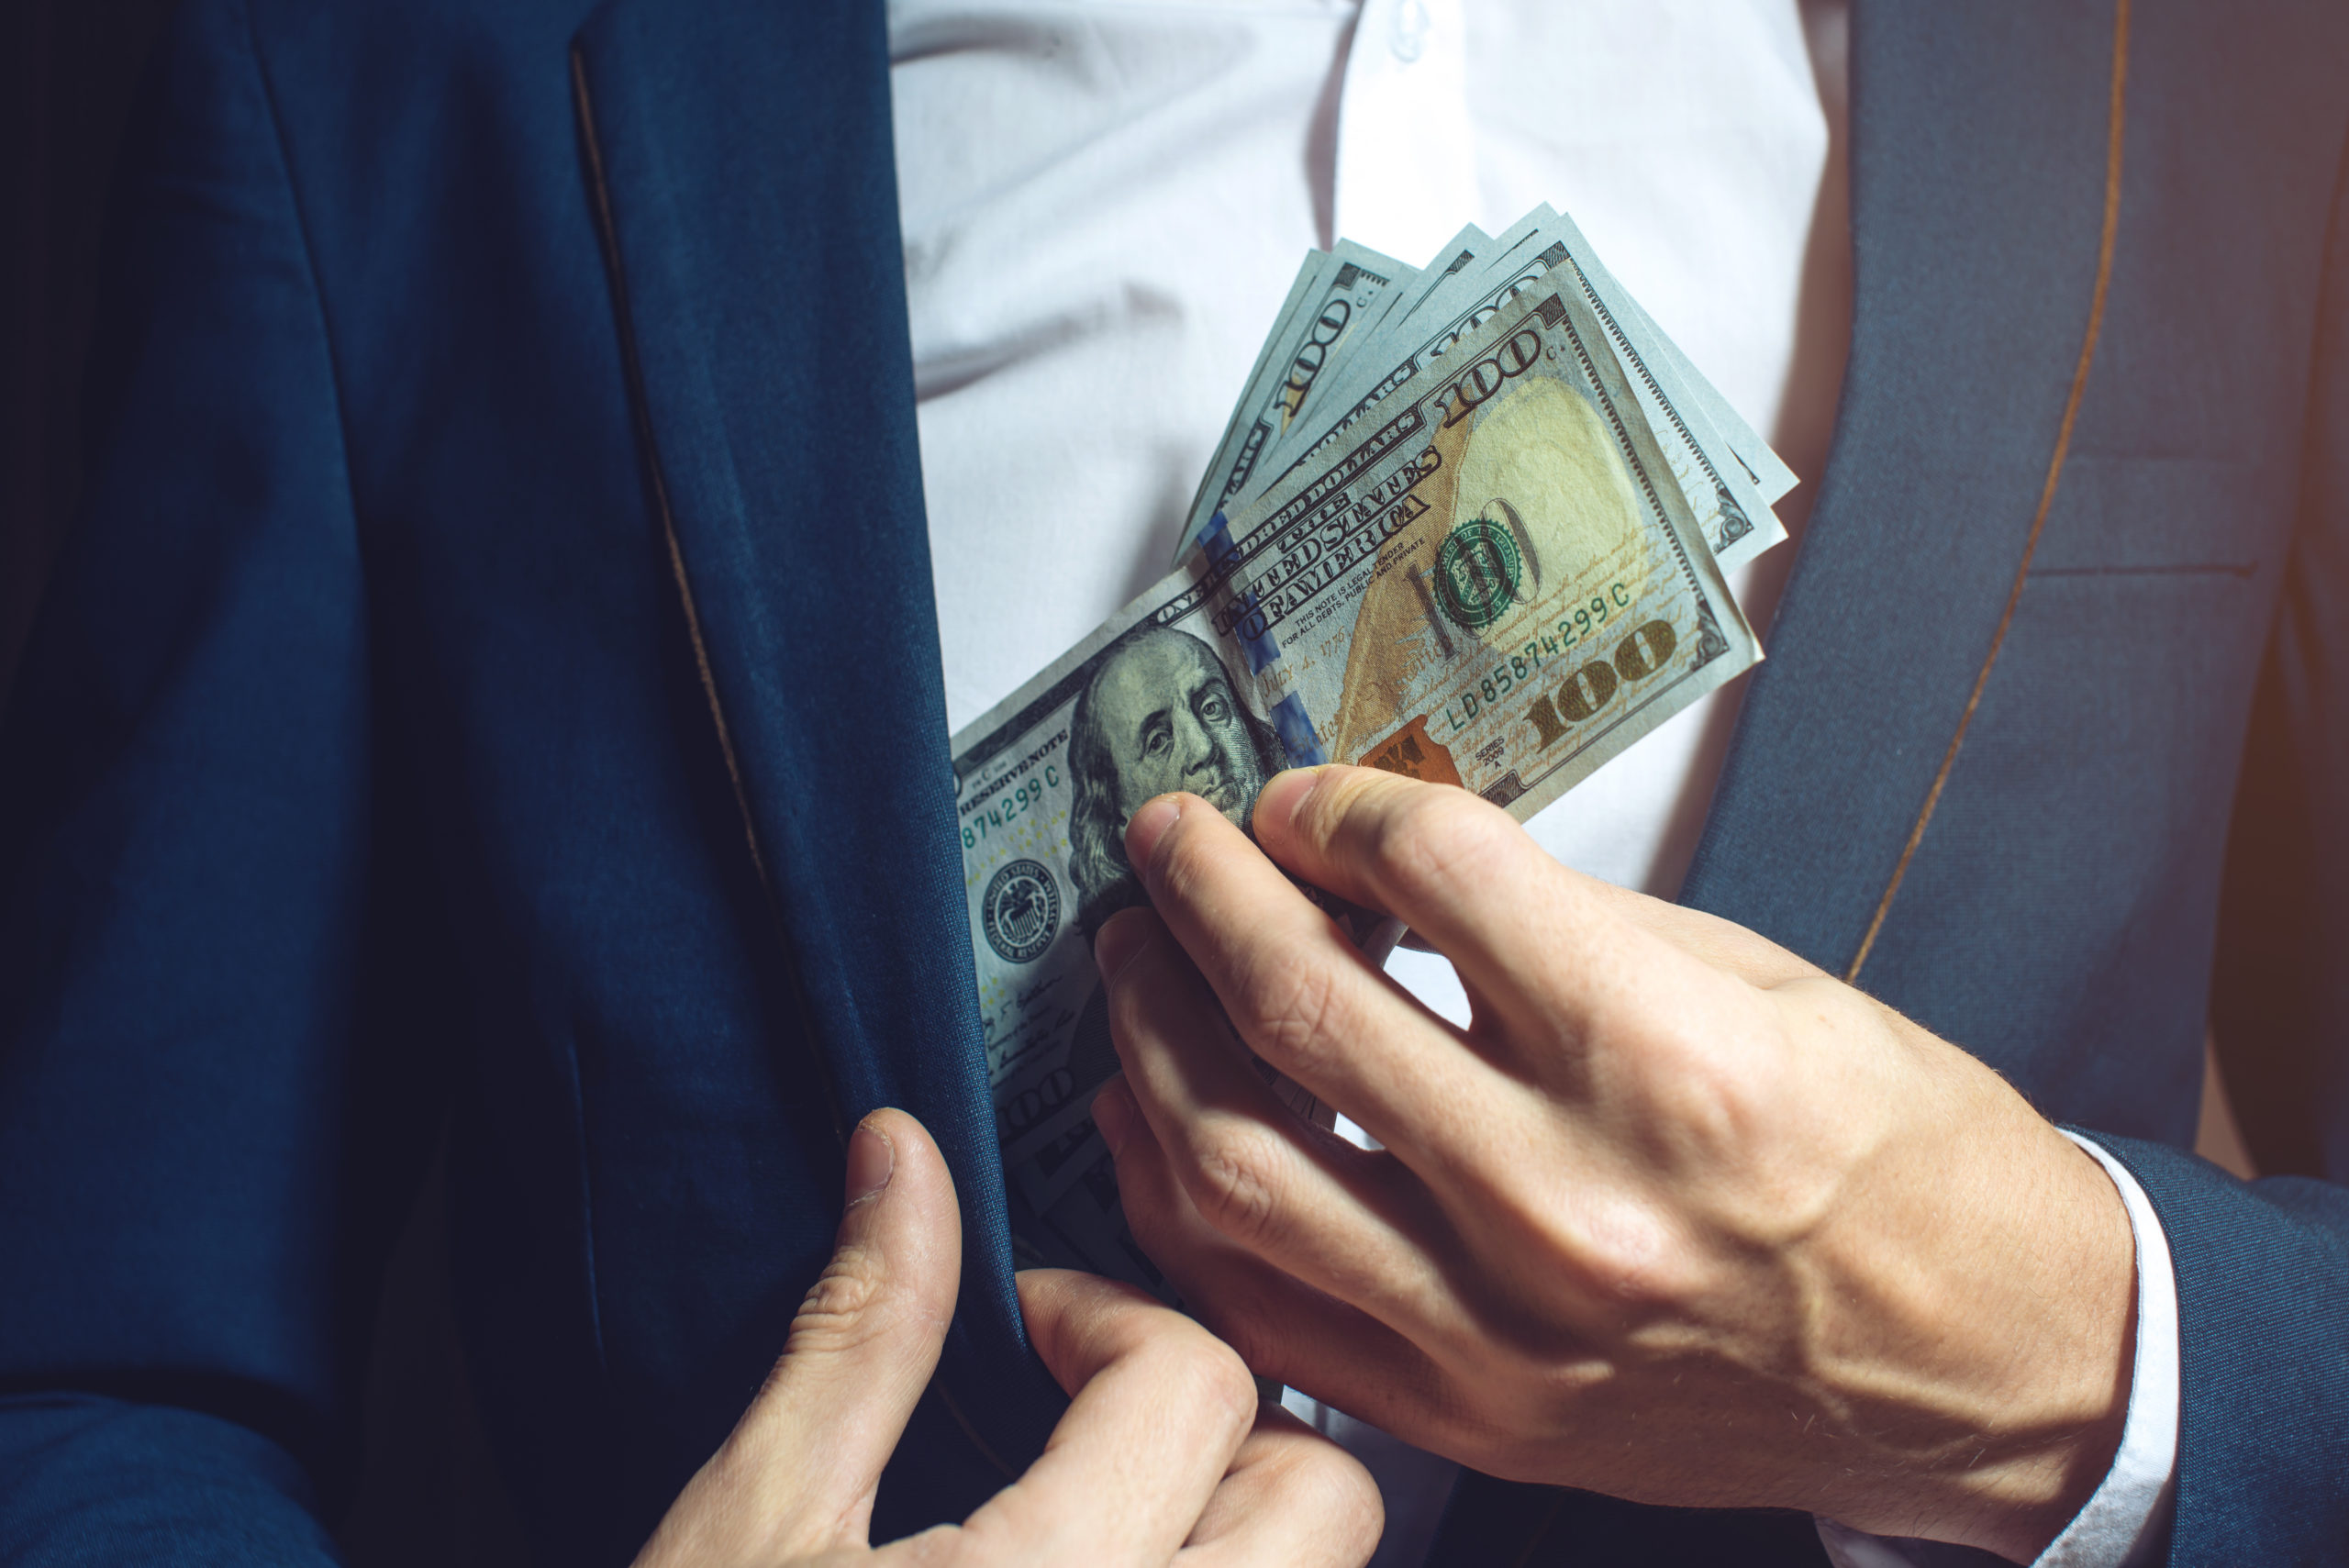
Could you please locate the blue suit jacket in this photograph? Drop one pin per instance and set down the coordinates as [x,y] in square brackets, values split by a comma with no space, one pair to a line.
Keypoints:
[496,679]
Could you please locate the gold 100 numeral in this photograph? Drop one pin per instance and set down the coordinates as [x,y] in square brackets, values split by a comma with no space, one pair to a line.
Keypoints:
[1583,694]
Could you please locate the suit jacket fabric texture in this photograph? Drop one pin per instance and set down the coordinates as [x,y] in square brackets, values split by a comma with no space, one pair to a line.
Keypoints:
[495,682]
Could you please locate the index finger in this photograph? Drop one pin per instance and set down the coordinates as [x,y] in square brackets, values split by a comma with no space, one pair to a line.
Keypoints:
[1301,993]
[1161,1407]
[1457,870]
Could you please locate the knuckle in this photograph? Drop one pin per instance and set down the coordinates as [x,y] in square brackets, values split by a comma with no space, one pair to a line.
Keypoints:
[1186,862]
[842,1309]
[1431,841]
[1236,1191]
[1292,1003]
[1220,1384]
[1628,1255]
[1133,1006]
[1330,810]
[1198,1377]
[1711,1110]
[1725,1101]
[1330,1484]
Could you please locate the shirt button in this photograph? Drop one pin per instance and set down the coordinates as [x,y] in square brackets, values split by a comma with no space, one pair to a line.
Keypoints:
[1408,34]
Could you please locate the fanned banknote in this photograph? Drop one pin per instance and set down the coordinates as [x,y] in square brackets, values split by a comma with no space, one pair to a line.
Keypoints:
[1337,293]
[1762,465]
[1729,497]
[1492,579]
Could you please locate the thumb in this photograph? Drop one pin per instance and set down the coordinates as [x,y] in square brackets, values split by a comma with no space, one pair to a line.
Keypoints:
[804,1462]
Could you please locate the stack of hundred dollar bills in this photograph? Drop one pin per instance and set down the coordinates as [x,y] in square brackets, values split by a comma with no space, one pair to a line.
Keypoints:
[1468,523]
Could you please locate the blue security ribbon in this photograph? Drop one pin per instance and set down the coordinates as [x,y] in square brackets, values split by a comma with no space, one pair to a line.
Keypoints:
[1290,720]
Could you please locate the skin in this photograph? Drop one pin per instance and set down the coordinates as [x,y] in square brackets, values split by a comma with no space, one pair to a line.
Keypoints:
[1173,723]
[1164,1457]
[1678,1217]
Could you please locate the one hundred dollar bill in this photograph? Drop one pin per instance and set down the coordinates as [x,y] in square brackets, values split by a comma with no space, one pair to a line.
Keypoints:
[1494,583]
[1438,314]
[1337,293]
[1452,278]
[1729,497]
[1769,472]
[1316,347]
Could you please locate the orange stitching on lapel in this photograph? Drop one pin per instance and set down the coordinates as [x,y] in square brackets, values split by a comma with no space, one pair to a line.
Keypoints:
[608,235]
[2046,494]
[640,414]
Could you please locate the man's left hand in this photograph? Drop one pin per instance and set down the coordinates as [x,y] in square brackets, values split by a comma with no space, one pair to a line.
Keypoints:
[1678,1216]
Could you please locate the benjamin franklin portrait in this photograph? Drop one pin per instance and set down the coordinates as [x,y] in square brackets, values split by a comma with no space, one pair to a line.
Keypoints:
[1159,714]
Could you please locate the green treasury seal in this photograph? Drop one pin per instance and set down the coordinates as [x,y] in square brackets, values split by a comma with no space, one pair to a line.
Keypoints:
[1021,912]
[1476,570]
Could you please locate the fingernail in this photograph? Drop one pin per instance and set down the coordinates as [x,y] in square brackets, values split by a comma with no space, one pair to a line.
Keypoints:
[1277,803]
[1113,1113]
[1148,826]
[1122,936]
[871,1161]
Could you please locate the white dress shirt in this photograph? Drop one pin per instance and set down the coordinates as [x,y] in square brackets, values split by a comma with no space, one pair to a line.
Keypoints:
[1103,204]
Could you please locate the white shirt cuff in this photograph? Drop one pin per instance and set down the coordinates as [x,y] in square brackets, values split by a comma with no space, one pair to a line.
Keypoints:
[2122,1525]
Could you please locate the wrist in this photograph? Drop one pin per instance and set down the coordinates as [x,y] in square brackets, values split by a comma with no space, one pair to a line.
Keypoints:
[2027,1287]
[2085,1365]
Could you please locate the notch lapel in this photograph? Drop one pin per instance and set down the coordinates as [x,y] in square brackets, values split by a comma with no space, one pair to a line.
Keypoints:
[743,173]
[1979,137]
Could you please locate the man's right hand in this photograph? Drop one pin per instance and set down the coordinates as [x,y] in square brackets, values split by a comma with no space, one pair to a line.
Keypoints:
[1165,1454]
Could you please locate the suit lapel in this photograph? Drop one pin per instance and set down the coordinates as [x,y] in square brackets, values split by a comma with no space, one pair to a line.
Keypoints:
[1979,141]
[742,159]
[1979,144]
[741,155]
